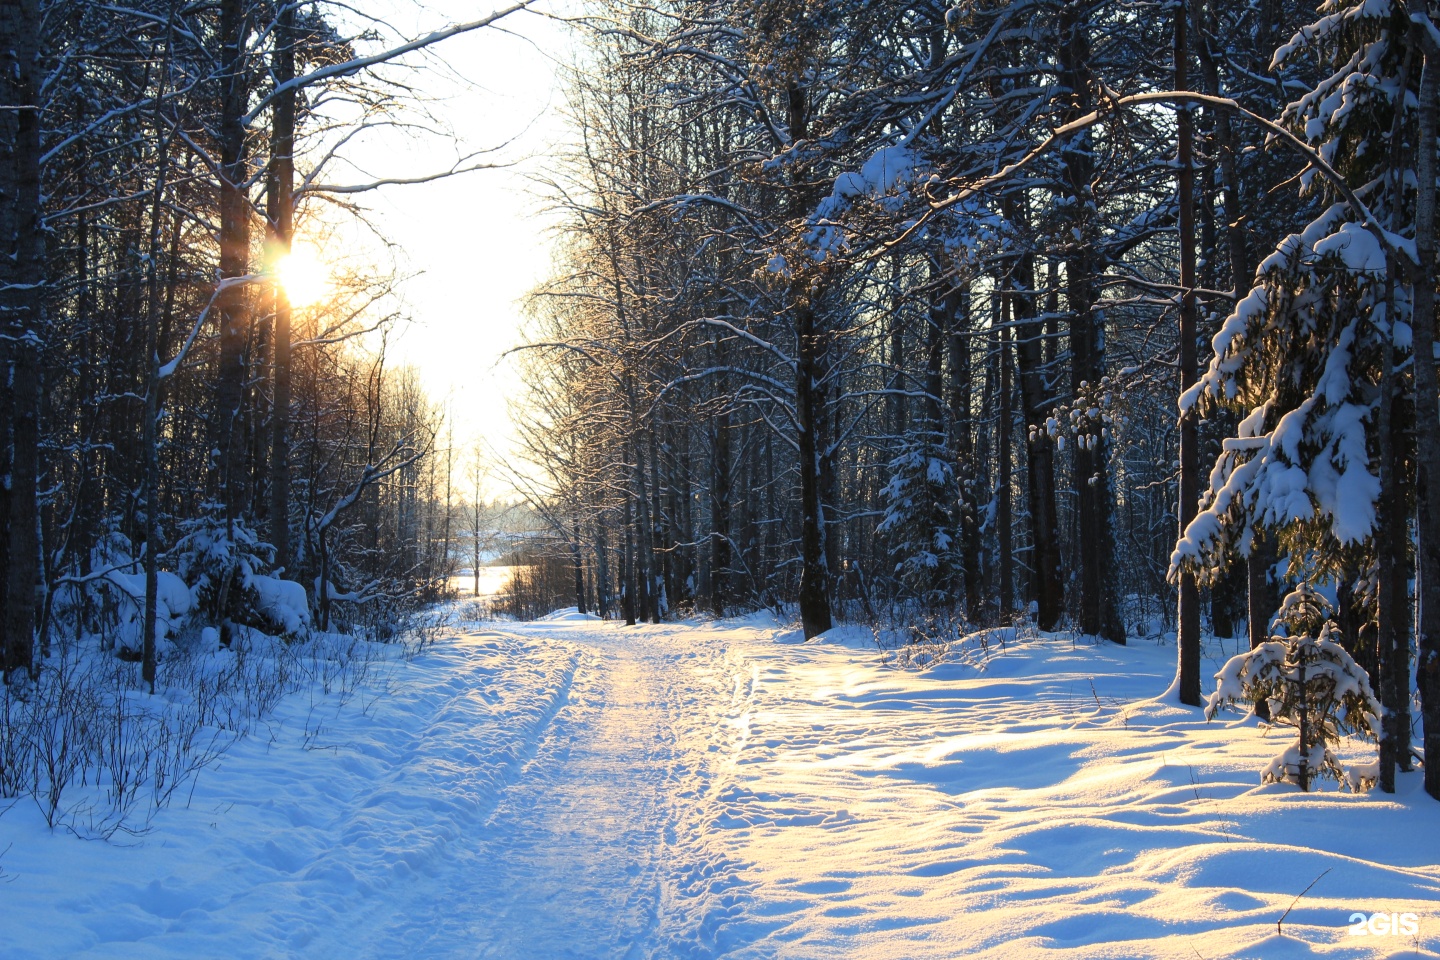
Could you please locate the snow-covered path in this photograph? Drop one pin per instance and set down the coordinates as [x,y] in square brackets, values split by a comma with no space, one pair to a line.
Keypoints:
[578,857]
[575,789]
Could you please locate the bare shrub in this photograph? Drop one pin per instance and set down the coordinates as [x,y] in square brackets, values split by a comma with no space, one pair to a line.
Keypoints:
[98,756]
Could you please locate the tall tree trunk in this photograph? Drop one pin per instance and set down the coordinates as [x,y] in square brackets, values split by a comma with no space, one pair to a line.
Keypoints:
[962,431]
[627,565]
[1188,629]
[944,301]
[232,301]
[810,410]
[644,537]
[720,513]
[814,577]
[1394,620]
[1427,414]
[751,553]
[1004,521]
[602,568]
[149,441]
[282,186]
[88,502]
[578,563]
[1037,399]
[1099,608]
[22,278]
[683,513]
[762,549]
[1261,599]
[1391,592]
[661,596]
[895,383]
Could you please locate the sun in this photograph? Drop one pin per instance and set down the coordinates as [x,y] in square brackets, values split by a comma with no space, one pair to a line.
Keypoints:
[306,280]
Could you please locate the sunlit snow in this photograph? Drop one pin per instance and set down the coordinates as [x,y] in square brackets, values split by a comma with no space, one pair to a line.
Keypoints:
[575,788]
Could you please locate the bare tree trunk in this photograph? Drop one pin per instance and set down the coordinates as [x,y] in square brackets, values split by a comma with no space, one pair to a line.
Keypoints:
[282,185]
[232,302]
[1390,587]
[627,566]
[962,430]
[683,510]
[22,277]
[1427,414]
[814,597]
[895,402]
[720,514]
[151,451]
[1261,600]
[1004,521]
[644,541]
[815,615]
[602,568]
[323,607]
[1393,619]
[1099,609]
[1036,398]
[660,593]
[1188,628]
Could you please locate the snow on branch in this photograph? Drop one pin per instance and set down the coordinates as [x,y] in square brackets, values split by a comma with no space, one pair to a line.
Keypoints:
[357,64]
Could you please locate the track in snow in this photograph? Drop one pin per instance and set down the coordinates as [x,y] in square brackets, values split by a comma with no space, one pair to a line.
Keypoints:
[597,846]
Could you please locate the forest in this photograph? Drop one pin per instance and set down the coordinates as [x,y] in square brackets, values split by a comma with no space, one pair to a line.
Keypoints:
[1108,316]
[167,408]
[970,488]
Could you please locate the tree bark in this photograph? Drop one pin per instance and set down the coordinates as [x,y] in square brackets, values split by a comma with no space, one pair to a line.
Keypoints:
[1188,626]
[1261,600]
[661,561]
[810,347]
[22,277]
[720,513]
[1037,399]
[815,617]
[282,185]
[1004,521]
[627,565]
[602,569]
[1427,415]
[1099,608]
[578,563]
[962,431]
[232,301]
[151,451]
[1390,586]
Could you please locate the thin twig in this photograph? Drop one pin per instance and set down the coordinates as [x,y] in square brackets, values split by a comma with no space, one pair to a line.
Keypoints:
[1297,900]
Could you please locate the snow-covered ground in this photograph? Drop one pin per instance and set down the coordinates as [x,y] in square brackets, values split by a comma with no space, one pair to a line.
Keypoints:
[570,788]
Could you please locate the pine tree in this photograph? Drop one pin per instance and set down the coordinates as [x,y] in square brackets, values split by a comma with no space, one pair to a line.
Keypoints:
[1308,681]
[1311,358]
[920,524]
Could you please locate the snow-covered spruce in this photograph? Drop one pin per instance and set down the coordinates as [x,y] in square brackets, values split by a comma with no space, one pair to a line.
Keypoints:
[224,565]
[1308,682]
[920,521]
[1302,356]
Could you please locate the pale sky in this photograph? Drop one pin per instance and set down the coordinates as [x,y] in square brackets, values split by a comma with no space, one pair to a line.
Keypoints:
[479,238]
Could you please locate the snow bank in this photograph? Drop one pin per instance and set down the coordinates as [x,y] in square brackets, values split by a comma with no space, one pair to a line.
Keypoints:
[173,603]
[282,602]
[305,835]
[1045,806]
[568,614]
